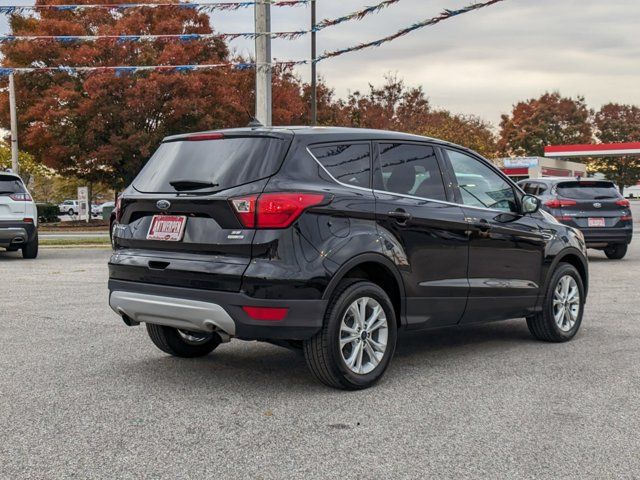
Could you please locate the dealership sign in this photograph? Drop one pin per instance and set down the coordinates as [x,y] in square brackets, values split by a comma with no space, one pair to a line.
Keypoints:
[521,162]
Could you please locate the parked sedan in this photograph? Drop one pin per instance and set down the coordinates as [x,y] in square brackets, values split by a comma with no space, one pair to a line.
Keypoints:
[596,207]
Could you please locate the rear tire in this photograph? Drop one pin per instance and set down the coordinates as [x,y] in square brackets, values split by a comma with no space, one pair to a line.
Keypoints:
[562,308]
[353,349]
[616,252]
[176,342]
[30,250]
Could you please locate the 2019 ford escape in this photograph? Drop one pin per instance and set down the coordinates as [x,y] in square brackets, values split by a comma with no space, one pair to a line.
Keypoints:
[332,240]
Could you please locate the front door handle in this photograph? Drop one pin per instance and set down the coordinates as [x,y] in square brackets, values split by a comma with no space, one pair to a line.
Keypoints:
[400,215]
[481,224]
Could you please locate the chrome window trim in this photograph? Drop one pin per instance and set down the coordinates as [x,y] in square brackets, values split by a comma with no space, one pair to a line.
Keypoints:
[413,197]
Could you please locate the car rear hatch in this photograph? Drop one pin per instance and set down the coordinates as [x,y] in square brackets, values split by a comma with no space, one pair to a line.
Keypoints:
[592,204]
[187,185]
[12,209]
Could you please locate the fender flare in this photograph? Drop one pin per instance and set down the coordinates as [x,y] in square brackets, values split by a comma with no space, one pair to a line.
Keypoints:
[562,255]
[368,258]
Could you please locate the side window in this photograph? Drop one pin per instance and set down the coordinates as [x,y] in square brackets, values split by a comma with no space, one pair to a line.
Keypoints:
[541,189]
[411,170]
[480,186]
[348,163]
[530,188]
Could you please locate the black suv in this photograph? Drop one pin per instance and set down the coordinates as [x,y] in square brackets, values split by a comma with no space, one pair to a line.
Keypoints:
[596,207]
[332,240]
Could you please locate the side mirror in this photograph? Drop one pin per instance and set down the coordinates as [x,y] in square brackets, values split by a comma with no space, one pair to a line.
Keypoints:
[530,204]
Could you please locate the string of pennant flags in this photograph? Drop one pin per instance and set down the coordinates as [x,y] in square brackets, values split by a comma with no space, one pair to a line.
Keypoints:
[357,15]
[199,6]
[120,70]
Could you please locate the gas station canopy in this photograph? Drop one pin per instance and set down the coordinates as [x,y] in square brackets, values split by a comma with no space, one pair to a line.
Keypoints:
[597,150]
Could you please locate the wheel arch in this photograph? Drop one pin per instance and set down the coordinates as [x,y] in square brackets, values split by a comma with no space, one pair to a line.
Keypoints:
[573,257]
[377,269]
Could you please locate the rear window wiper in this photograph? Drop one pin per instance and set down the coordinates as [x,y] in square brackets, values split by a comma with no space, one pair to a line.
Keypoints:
[182,185]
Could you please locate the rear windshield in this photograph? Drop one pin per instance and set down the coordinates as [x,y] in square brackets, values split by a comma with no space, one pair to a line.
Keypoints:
[10,184]
[586,190]
[225,163]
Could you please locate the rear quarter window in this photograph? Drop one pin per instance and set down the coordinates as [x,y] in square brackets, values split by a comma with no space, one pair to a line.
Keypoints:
[349,163]
[10,184]
[587,190]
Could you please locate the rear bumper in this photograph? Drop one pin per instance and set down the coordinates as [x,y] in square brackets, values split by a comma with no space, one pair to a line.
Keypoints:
[601,236]
[16,234]
[207,310]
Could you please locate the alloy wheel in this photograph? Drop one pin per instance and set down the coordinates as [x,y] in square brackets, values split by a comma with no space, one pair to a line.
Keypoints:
[566,303]
[363,335]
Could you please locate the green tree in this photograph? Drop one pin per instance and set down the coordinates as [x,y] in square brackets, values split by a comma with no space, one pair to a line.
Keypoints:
[548,120]
[618,123]
[30,169]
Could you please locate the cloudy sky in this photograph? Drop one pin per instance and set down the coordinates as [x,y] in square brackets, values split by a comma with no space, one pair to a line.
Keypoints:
[481,62]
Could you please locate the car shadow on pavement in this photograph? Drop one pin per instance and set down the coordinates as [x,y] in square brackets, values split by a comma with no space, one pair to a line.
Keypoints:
[254,366]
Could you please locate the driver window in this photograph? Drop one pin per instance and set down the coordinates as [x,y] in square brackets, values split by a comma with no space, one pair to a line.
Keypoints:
[480,186]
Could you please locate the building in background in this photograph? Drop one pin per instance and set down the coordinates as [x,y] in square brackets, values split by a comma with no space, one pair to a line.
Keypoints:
[520,168]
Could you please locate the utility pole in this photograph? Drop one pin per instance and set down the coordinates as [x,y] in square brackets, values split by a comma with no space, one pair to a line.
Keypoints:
[263,61]
[15,165]
[314,85]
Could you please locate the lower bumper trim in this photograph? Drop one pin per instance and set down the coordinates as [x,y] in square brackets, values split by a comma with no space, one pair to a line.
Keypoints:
[172,312]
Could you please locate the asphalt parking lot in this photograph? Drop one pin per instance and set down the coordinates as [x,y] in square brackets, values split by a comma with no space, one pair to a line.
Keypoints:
[84,396]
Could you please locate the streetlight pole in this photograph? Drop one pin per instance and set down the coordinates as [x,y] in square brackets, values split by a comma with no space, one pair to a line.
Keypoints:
[314,78]
[15,165]
[263,61]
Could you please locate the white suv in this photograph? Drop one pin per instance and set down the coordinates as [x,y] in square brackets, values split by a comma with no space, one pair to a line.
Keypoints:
[18,216]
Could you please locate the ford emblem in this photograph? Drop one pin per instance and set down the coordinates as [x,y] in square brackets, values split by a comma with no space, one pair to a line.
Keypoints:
[163,204]
[597,205]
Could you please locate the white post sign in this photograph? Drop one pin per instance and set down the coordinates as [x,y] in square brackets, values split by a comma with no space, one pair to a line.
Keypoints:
[83,203]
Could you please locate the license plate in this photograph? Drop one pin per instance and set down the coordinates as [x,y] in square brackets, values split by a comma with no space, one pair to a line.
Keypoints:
[596,222]
[168,228]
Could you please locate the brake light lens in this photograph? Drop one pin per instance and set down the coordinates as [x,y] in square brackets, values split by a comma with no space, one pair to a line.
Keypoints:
[269,314]
[20,197]
[626,218]
[623,202]
[556,203]
[273,210]
[204,136]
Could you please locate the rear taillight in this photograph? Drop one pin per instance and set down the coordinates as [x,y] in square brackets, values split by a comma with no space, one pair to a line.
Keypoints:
[245,208]
[626,218]
[118,209]
[623,202]
[556,203]
[273,210]
[563,218]
[20,197]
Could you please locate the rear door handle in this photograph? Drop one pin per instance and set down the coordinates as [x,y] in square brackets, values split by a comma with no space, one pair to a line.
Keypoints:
[400,216]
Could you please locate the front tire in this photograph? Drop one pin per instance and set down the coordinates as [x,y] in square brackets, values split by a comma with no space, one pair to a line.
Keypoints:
[562,308]
[357,340]
[182,343]
[30,250]
[616,252]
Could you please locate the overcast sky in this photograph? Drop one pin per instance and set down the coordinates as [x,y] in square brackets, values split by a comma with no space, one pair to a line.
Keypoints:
[481,62]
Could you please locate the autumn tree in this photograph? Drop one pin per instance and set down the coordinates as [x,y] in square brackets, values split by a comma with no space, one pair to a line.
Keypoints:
[548,120]
[103,127]
[394,106]
[618,123]
[467,130]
